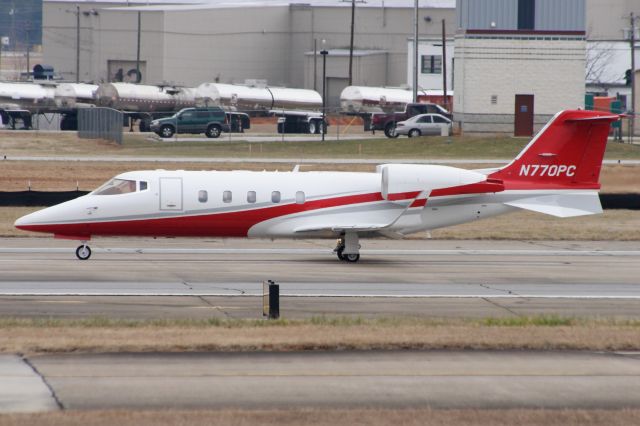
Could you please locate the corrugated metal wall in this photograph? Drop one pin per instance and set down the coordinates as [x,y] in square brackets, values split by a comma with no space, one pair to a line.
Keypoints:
[100,123]
[479,14]
[550,15]
[565,15]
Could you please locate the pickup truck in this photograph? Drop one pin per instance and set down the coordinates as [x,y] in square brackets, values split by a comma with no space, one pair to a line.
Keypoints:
[387,121]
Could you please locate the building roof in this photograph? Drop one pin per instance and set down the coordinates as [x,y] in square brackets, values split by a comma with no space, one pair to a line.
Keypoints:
[161,5]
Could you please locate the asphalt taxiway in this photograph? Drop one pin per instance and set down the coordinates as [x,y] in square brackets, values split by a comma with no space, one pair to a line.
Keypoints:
[198,278]
[382,379]
[178,278]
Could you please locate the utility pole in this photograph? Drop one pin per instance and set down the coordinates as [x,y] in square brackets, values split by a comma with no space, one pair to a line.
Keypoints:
[138,75]
[353,14]
[444,66]
[415,52]
[324,52]
[77,44]
[315,64]
[28,28]
[632,40]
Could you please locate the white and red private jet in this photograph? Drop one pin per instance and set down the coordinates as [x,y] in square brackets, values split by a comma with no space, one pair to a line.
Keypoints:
[557,173]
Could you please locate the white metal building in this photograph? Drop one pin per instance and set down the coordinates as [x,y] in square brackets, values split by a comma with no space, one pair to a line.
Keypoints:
[232,41]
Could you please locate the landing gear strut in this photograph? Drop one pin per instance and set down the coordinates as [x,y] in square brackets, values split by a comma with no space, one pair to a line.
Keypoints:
[348,249]
[83,252]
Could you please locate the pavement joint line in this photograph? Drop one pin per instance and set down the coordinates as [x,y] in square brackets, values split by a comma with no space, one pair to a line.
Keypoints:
[44,380]
[497,305]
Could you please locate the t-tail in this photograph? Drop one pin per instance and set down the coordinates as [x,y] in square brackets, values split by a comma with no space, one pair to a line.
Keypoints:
[558,172]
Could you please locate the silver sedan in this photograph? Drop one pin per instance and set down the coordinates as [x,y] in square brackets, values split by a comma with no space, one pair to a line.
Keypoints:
[424,124]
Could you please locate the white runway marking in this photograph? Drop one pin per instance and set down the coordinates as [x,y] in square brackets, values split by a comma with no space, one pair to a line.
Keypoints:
[322,289]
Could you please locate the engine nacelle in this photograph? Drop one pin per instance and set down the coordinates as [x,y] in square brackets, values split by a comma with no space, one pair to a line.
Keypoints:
[403,181]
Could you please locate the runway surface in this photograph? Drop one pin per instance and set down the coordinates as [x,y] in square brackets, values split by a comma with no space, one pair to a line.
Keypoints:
[382,379]
[194,278]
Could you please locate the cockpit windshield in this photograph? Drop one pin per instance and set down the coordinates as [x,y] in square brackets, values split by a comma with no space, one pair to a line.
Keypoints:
[116,186]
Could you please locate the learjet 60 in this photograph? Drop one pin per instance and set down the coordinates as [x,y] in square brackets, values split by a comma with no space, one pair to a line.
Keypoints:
[557,174]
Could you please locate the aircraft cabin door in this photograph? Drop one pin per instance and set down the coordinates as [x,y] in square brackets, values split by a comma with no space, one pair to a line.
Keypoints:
[170,193]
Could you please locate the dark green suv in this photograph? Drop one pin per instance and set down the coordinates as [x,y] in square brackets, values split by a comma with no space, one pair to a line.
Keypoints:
[210,121]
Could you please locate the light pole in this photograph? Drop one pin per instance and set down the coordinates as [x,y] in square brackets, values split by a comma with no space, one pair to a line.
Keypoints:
[324,52]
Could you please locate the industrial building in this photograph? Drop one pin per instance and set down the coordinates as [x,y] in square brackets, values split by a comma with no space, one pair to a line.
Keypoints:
[518,63]
[276,43]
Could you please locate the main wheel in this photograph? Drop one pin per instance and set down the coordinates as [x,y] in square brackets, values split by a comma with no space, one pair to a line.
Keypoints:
[352,258]
[390,130]
[213,131]
[83,252]
[414,133]
[166,131]
[312,127]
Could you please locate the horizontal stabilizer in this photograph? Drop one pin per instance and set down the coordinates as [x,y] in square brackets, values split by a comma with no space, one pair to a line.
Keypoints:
[561,205]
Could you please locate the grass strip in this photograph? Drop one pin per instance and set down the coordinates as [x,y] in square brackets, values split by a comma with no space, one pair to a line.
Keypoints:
[319,333]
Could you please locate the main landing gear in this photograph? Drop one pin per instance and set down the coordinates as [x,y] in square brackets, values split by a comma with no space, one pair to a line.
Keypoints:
[348,249]
[83,252]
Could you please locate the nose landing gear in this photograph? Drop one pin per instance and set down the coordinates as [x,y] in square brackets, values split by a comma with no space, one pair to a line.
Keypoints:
[83,252]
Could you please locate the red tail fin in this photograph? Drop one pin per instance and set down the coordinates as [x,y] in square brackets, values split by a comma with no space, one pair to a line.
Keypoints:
[567,153]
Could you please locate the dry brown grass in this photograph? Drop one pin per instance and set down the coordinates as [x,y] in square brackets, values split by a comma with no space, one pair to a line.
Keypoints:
[612,225]
[308,336]
[330,417]
[64,176]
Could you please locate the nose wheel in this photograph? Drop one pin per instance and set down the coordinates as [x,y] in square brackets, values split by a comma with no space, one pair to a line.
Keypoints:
[83,252]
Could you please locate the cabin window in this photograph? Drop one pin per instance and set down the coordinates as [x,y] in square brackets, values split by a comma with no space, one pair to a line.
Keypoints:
[116,186]
[251,196]
[275,197]
[203,196]
[143,185]
[300,198]
[226,197]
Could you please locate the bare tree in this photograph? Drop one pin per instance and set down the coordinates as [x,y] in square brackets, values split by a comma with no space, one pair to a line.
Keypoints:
[598,59]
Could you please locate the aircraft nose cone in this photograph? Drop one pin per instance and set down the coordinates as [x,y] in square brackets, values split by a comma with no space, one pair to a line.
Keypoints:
[22,222]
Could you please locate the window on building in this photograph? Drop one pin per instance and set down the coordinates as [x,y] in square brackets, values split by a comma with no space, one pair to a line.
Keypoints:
[251,196]
[275,197]
[226,197]
[431,64]
[203,196]
[494,99]
[300,198]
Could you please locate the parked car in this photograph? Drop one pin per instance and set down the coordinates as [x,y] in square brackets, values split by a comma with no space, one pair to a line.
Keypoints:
[423,124]
[211,121]
[387,121]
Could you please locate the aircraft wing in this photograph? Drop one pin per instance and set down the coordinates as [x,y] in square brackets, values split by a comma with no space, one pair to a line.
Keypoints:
[344,227]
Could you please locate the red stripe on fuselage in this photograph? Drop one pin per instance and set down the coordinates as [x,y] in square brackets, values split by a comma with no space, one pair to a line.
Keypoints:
[231,224]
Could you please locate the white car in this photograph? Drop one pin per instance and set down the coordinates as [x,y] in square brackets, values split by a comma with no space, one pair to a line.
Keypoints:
[423,124]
